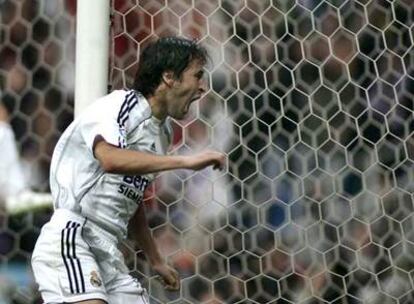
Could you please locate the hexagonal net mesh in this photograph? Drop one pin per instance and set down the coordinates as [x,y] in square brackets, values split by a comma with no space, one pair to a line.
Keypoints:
[312,102]
[37,44]
[37,50]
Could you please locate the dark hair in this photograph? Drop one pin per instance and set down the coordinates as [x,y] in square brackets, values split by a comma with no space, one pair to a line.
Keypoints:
[165,54]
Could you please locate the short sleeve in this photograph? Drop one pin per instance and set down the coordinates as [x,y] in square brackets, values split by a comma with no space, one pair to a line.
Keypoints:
[104,127]
[110,117]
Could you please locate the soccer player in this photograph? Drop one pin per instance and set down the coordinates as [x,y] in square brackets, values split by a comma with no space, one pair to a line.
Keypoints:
[100,168]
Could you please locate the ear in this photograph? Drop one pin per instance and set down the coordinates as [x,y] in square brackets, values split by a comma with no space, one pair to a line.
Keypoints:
[168,78]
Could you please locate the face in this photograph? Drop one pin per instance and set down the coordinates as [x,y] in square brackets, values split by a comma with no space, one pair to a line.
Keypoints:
[184,91]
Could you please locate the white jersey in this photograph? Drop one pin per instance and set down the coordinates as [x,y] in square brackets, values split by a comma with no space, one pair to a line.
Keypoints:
[78,182]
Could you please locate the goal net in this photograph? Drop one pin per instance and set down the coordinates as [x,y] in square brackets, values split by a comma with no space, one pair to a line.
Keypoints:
[313,104]
[37,50]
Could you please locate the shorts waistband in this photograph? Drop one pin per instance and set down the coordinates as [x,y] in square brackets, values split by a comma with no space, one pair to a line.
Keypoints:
[102,232]
[64,215]
[67,215]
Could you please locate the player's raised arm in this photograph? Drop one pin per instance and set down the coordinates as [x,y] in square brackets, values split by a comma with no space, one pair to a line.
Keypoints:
[123,161]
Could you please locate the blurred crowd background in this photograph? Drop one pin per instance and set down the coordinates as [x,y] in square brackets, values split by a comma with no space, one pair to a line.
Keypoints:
[312,102]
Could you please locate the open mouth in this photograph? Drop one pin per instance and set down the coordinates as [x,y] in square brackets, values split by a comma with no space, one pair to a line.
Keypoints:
[187,107]
[195,98]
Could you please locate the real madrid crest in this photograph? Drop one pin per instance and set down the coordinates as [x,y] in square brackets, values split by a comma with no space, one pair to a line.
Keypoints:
[94,278]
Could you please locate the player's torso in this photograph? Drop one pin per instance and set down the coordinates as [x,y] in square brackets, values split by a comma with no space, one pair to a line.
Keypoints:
[78,182]
[114,197]
[149,137]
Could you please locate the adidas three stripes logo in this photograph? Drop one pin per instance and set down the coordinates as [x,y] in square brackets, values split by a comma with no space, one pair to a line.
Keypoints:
[128,104]
[71,261]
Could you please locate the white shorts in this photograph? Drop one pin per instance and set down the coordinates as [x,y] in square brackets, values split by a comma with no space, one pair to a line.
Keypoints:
[75,260]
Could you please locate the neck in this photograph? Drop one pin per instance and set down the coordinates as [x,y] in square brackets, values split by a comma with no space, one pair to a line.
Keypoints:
[158,109]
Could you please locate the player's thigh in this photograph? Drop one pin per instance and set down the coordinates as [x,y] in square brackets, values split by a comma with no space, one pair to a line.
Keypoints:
[91,302]
[128,298]
[64,267]
[124,289]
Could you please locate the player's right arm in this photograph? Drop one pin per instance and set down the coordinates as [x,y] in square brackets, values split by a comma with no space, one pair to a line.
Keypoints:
[104,127]
[130,162]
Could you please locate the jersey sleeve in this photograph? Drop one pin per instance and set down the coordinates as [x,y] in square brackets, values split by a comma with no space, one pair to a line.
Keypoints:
[108,118]
[112,117]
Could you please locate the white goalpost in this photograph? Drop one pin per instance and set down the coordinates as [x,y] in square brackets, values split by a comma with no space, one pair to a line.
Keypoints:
[92,49]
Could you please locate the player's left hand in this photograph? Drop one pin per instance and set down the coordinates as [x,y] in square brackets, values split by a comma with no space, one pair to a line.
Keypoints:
[169,276]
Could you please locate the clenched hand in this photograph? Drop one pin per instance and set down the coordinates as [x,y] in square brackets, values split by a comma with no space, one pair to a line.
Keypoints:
[204,159]
[169,276]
